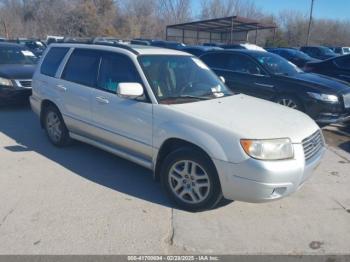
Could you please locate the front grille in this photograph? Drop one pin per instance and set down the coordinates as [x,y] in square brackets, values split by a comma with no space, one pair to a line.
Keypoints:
[346,99]
[313,144]
[25,83]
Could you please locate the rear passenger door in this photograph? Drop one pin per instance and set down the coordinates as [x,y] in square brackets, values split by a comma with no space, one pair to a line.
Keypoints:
[125,124]
[79,78]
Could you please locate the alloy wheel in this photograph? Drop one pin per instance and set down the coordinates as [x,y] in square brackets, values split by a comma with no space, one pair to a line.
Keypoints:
[288,103]
[189,181]
[54,126]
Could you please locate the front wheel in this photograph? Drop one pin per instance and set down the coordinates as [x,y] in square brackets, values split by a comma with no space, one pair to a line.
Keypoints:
[290,102]
[190,179]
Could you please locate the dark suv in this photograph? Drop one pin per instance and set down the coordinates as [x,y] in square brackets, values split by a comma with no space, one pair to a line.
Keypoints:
[318,52]
[271,77]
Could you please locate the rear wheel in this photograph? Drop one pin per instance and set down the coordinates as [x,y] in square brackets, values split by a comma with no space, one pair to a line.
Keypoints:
[55,128]
[191,180]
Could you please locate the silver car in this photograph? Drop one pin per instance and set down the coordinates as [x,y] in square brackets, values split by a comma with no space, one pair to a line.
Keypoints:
[167,111]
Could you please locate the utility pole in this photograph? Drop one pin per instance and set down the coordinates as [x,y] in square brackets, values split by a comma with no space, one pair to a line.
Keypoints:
[310,22]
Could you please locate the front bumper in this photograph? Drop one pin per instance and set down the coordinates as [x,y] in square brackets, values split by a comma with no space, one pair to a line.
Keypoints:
[14,95]
[261,181]
[332,118]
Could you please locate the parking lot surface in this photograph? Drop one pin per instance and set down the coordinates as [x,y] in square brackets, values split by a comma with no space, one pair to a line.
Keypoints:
[81,200]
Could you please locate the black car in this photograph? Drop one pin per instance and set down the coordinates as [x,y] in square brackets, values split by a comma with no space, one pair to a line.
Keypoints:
[295,56]
[168,44]
[318,52]
[271,77]
[338,67]
[17,65]
[199,50]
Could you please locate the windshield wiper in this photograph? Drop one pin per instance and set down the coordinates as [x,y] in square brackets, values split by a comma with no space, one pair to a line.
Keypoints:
[186,97]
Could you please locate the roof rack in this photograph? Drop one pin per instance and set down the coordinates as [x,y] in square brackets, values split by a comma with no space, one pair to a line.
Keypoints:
[115,44]
[97,41]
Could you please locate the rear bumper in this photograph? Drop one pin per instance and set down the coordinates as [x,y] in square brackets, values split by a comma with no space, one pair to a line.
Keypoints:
[14,95]
[262,181]
[35,104]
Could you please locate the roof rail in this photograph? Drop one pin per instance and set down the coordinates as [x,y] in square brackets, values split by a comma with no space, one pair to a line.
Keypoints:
[115,44]
[96,41]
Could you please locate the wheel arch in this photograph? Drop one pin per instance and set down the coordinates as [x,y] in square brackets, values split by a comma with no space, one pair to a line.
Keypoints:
[170,145]
[44,105]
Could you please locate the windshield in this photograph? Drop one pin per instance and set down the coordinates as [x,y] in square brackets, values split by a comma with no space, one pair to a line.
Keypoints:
[326,50]
[299,54]
[276,64]
[16,55]
[180,79]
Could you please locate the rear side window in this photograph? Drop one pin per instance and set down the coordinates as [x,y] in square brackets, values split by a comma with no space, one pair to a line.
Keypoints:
[216,60]
[53,60]
[116,69]
[82,67]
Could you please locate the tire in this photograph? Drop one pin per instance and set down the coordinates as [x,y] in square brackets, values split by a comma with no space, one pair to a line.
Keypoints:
[55,127]
[290,101]
[196,189]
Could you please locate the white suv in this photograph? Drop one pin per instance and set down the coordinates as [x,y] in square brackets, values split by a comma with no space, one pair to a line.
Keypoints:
[167,111]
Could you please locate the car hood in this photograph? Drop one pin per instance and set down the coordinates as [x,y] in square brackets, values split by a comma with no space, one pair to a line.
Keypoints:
[17,71]
[252,118]
[320,82]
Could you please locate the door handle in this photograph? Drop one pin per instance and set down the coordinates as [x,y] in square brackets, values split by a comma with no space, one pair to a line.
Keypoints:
[61,88]
[102,100]
[264,85]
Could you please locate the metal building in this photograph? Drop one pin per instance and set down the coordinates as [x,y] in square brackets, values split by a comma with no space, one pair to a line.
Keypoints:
[231,29]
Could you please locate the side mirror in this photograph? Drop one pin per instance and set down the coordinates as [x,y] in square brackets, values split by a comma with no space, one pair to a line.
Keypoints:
[222,79]
[129,90]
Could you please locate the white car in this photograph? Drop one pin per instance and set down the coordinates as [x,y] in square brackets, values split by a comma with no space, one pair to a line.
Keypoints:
[167,111]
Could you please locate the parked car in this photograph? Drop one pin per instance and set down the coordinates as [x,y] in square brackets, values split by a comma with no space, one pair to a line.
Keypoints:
[318,52]
[295,56]
[168,44]
[199,50]
[338,67]
[271,77]
[17,66]
[167,111]
[341,50]
[245,46]
[37,47]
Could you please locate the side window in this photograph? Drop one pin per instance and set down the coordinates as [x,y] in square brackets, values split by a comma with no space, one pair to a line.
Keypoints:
[243,64]
[343,62]
[82,67]
[115,69]
[53,60]
[215,60]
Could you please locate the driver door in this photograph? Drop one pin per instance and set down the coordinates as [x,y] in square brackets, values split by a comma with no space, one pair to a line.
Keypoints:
[247,77]
[125,124]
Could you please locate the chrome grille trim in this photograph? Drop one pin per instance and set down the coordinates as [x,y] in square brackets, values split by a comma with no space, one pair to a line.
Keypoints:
[25,83]
[313,144]
[346,99]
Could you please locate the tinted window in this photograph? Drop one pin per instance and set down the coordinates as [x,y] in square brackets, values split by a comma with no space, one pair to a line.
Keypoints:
[343,62]
[276,64]
[16,55]
[216,60]
[53,60]
[243,64]
[116,69]
[82,67]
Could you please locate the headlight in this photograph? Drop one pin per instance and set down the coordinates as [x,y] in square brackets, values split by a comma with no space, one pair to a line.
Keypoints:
[271,149]
[324,97]
[5,82]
